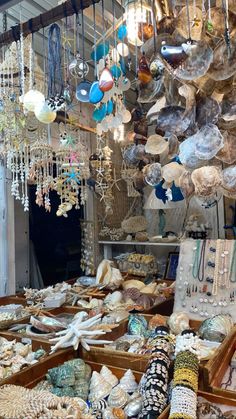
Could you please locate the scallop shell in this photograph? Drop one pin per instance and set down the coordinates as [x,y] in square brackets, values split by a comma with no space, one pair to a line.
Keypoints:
[109,376]
[128,382]
[132,283]
[178,322]
[118,397]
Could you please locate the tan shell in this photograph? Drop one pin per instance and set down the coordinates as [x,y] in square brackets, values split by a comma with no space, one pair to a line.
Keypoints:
[104,272]
[149,289]
[109,376]
[134,224]
[178,322]
[228,153]
[182,23]
[172,171]
[206,180]
[133,283]
[156,144]
[128,382]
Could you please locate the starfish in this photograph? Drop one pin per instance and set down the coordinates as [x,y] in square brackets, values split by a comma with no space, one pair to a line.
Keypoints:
[72,176]
[73,157]
[70,140]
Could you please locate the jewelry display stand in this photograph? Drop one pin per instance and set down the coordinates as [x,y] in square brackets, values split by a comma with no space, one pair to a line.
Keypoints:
[206,278]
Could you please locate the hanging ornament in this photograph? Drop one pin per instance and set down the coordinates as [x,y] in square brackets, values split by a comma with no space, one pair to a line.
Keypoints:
[95,93]
[115,71]
[174,55]
[106,80]
[122,32]
[115,56]
[78,68]
[55,76]
[144,74]
[145,31]
[123,49]
[100,51]
[44,114]
[32,99]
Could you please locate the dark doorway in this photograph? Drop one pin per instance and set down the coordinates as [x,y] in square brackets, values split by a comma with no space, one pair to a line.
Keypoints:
[57,240]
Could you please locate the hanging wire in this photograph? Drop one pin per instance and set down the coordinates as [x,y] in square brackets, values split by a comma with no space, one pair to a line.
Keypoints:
[103,35]
[188,20]
[83,38]
[225,7]
[136,42]
[155,28]
[95,41]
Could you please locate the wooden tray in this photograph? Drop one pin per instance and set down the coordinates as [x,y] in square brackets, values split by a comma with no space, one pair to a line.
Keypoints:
[15,378]
[34,375]
[215,369]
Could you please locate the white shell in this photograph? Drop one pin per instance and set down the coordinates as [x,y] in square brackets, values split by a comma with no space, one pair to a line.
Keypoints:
[128,382]
[118,397]
[133,408]
[114,298]
[104,272]
[33,98]
[122,49]
[99,387]
[178,322]
[133,283]
[109,376]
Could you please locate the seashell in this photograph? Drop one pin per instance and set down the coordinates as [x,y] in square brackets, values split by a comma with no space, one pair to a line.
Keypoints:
[178,322]
[104,272]
[141,236]
[108,413]
[99,405]
[206,180]
[46,324]
[128,382]
[118,397]
[99,387]
[115,298]
[223,66]
[122,346]
[133,408]
[229,179]
[172,171]
[208,111]
[216,328]
[157,320]
[131,293]
[149,289]
[137,325]
[186,185]
[21,349]
[119,413]
[208,141]
[199,59]
[109,376]
[146,301]
[181,23]
[156,144]
[132,283]
[152,173]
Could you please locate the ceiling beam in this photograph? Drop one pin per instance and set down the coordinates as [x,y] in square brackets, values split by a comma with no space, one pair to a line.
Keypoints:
[5,4]
[68,8]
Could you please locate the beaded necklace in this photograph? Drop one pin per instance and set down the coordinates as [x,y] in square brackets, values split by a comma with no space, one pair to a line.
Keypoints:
[232,274]
[199,261]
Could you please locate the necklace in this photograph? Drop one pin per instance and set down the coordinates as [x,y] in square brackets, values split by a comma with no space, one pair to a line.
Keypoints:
[199,261]
[196,251]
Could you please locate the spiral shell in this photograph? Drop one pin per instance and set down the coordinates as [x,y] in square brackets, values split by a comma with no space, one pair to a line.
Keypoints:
[118,397]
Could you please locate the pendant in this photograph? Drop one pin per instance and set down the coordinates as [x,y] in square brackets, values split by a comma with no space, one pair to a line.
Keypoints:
[144,74]
[95,93]
[174,55]
[106,80]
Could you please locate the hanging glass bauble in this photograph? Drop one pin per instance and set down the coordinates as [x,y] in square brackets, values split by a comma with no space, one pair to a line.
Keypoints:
[106,80]
[95,94]
[68,95]
[123,49]
[157,69]
[144,74]
[44,114]
[126,116]
[145,31]
[100,51]
[115,56]
[78,67]
[82,91]
[33,98]
[124,84]
[115,71]
[122,32]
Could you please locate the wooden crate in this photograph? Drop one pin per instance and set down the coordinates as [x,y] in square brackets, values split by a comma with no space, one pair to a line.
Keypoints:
[216,367]
[30,379]
[20,378]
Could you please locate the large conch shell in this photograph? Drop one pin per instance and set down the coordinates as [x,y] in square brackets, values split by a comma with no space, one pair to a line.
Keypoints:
[178,322]
[107,275]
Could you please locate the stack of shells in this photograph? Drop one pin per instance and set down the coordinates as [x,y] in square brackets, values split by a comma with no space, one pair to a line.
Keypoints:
[185,382]
[154,385]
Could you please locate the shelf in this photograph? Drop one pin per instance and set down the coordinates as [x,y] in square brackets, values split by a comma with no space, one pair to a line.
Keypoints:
[134,243]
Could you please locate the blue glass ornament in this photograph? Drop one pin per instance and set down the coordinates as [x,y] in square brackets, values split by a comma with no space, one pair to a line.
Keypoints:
[95,94]
[82,91]
[110,107]
[122,32]
[115,71]
[101,51]
[122,65]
